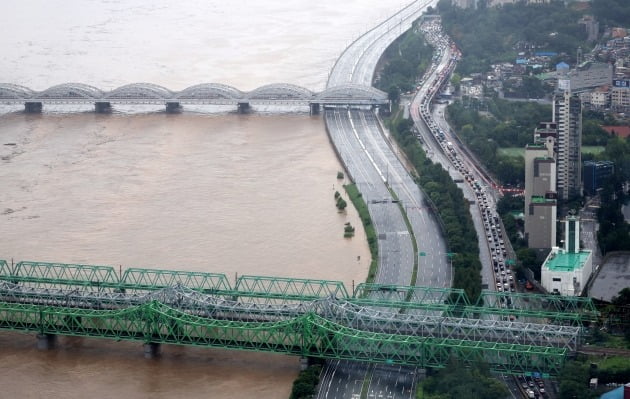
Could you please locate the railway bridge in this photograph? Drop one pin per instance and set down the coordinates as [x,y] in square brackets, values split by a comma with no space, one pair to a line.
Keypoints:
[419,326]
[283,94]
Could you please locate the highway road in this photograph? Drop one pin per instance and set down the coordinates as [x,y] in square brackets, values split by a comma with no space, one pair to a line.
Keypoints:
[374,167]
[444,147]
[433,268]
[395,247]
[358,61]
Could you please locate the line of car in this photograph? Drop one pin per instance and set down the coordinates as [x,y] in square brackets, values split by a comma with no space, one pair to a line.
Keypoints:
[534,387]
[504,280]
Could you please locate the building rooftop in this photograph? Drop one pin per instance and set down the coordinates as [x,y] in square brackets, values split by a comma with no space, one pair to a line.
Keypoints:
[566,262]
[599,163]
[539,199]
[621,131]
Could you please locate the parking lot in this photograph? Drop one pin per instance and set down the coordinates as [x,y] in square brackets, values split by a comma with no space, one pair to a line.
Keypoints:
[612,276]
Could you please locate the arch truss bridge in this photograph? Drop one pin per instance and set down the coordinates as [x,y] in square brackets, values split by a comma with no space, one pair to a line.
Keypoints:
[201,94]
[417,326]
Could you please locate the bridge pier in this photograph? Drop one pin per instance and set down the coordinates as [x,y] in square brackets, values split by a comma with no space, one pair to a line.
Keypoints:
[304,363]
[315,108]
[33,107]
[243,107]
[46,341]
[173,107]
[151,350]
[102,107]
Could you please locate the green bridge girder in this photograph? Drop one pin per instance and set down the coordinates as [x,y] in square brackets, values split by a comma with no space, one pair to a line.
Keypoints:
[55,298]
[281,289]
[260,289]
[307,335]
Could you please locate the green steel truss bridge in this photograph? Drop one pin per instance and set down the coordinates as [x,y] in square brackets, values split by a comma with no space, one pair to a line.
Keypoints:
[417,326]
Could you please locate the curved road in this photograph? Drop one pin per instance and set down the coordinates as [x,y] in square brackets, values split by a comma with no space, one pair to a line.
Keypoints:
[373,165]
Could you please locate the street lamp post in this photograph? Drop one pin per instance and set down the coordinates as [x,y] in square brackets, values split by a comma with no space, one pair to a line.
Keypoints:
[450,255]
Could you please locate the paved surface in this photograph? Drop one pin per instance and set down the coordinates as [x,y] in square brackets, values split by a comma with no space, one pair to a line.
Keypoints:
[435,137]
[369,161]
[613,276]
[589,228]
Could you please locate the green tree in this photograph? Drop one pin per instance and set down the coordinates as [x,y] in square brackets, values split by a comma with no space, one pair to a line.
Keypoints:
[574,379]
[302,390]
[459,381]
[393,93]
[622,298]
[528,259]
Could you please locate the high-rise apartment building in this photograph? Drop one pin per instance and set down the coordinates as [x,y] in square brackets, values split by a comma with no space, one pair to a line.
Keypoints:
[567,114]
[540,194]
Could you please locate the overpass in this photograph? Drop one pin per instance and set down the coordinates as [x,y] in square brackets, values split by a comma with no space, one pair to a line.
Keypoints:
[201,94]
[418,326]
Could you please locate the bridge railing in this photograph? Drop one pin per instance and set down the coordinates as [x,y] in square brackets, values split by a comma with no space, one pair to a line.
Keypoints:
[211,93]
[263,290]
[142,280]
[283,289]
[57,275]
[306,335]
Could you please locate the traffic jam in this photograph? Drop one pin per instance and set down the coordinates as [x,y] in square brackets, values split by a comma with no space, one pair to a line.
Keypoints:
[439,72]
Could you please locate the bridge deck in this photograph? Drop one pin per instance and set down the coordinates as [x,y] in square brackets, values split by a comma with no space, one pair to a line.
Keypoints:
[388,324]
[208,93]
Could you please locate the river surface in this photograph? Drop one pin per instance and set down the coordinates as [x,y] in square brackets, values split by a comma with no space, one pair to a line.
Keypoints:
[203,191]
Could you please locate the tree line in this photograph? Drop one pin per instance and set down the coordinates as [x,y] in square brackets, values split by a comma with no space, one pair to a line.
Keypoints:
[492,35]
[453,209]
[403,61]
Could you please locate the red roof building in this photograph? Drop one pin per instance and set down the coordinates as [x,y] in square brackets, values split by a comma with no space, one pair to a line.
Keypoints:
[619,131]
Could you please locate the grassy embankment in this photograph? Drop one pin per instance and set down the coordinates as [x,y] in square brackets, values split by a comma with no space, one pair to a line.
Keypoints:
[359,204]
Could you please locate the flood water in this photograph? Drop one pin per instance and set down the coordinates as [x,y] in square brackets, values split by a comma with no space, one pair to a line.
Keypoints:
[203,191]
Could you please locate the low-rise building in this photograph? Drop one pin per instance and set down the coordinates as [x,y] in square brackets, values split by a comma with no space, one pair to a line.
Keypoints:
[566,270]
[600,97]
[620,95]
[589,75]
[595,173]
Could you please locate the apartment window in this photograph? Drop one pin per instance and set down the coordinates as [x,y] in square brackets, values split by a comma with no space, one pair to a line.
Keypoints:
[557,279]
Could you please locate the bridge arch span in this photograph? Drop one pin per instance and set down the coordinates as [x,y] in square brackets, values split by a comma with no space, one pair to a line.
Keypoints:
[351,92]
[9,91]
[145,91]
[206,91]
[281,91]
[70,91]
